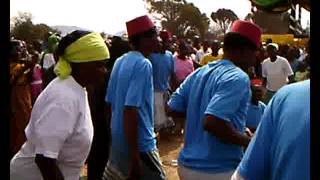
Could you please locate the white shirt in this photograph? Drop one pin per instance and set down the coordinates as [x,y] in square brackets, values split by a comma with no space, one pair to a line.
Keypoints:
[60,127]
[302,57]
[276,72]
[200,54]
[48,60]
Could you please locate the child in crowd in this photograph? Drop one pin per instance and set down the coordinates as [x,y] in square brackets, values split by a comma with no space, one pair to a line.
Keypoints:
[256,106]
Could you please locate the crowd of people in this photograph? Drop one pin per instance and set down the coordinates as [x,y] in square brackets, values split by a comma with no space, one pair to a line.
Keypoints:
[241,104]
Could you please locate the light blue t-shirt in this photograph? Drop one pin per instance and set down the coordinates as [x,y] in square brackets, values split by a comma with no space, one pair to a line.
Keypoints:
[280,150]
[163,67]
[220,89]
[254,114]
[131,84]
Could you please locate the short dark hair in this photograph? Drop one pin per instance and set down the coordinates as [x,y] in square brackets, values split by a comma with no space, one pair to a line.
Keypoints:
[69,39]
[206,43]
[215,43]
[135,39]
[233,41]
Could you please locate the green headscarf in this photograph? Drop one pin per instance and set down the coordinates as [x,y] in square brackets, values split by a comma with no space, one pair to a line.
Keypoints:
[53,41]
[88,48]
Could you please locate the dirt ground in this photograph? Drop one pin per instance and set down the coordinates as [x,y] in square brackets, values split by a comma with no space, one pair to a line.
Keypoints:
[169,148]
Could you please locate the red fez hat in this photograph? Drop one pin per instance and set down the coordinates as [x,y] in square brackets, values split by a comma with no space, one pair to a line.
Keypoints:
[256,82]
[139,25]
[165,35]
[248,30]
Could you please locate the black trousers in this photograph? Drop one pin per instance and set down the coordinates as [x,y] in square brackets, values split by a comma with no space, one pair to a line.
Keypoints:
[99,153]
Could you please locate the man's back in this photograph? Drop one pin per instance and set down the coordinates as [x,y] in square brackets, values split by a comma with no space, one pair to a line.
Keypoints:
[163,66]
[281,147]
[220,89]
[131,84]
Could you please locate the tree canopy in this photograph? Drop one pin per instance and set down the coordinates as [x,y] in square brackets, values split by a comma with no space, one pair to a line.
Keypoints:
[181,18]
[22,28]
[224,18]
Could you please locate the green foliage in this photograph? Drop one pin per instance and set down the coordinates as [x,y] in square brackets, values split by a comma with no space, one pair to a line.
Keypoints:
[23,28]
[224,18]
[181,18]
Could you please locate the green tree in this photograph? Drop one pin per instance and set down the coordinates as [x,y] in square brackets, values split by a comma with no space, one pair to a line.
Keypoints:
[181,18]
[195,22]
[23,28]
[224,18]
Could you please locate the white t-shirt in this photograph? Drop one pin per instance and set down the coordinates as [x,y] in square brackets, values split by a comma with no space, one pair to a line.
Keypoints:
[302,57]
[276,72]
[60,127]
[48,60]
[200,54]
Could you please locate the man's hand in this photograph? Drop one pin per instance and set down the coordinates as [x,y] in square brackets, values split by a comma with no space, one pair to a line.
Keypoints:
[172,113]
[48,168]
[225,131]
[248,132]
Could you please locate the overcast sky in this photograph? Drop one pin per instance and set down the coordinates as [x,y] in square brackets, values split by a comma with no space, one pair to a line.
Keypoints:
[110,15]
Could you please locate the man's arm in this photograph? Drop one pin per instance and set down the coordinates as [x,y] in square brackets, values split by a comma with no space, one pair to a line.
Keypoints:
[48,168]
[264,82]
[288,71]
[108,113]
[173,82]
[225,131]
[174,114]
[130,115]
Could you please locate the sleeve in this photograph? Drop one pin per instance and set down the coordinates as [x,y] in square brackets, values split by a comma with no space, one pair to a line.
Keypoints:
[179,99]
[264,70]
[54,126]
[287,68]
[140,82]
[228,97]
[256,161]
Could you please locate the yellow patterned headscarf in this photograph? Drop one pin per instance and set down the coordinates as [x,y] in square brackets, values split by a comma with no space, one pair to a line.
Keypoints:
[88,48]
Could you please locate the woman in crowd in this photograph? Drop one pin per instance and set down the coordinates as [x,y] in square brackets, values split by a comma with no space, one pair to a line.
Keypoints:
[36,84]
[183,63]
[20,79]
[60,131]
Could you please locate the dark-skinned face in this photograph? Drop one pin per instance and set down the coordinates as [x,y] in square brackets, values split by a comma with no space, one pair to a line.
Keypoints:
[205,46]
[91,72]
[257,93]
[215,48]
[272,51]
[17,51]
